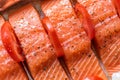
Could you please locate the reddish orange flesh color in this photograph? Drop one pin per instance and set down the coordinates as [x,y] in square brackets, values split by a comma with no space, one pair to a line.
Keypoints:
[84,17]
[101,11]
[53,36]
[11,42]
[93,78]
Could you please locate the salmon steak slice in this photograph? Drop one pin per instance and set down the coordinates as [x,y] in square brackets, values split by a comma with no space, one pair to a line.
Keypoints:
[73,38]
[36,45]
[9,70]
[107,28]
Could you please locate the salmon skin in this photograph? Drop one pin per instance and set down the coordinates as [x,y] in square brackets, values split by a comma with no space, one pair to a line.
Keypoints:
[79,57]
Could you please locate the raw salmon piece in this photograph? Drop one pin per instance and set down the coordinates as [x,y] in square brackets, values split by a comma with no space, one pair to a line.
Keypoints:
[107,37]
[108,43]
[36,45]
[70,33]
[7,3]
[79,57]
[9,69]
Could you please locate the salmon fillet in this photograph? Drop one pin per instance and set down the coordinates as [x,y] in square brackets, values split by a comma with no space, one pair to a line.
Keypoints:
[73,39]
[36,45]
[9,69]
[107,28]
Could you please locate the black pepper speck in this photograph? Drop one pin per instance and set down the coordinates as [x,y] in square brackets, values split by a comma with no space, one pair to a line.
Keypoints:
[45,68]
[89,55]
[65,78]
[38,47]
